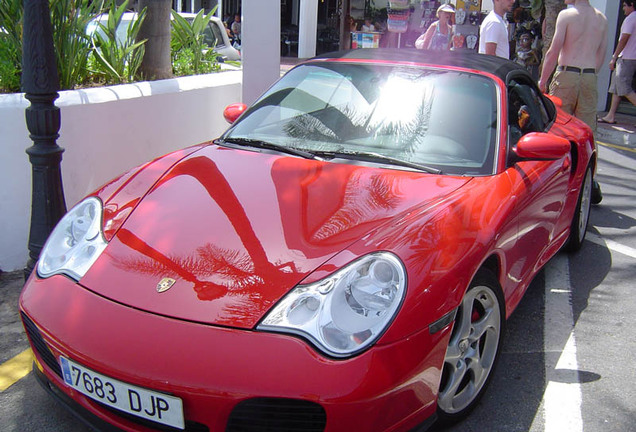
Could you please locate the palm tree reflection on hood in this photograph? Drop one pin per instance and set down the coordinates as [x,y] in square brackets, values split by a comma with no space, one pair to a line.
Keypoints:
[234,272]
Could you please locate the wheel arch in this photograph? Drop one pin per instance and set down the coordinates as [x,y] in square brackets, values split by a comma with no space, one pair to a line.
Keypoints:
[579,153]
[494,264]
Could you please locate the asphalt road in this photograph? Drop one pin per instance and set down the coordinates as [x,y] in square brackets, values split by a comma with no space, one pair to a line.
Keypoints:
[567,360]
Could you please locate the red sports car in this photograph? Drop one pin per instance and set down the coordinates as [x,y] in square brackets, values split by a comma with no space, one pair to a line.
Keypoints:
[343,258]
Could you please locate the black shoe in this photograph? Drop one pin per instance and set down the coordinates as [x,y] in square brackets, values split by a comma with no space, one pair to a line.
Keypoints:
[597,195]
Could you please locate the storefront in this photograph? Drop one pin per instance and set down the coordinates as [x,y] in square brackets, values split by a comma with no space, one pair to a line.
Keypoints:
[398,23]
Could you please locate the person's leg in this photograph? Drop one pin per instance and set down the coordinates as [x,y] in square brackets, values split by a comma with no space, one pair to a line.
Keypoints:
[621,85]
[610,117]
[588,98]
[616,99]
[631,97]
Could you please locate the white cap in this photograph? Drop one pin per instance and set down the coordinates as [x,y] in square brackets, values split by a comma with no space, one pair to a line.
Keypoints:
[445,8]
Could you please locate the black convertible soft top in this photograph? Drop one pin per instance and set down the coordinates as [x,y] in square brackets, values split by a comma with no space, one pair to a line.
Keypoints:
[461,59]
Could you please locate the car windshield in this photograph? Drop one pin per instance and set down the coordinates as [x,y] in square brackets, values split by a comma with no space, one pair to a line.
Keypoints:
[431,117]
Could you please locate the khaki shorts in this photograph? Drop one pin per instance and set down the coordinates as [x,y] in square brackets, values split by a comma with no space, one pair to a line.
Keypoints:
[578,93]
[621,84]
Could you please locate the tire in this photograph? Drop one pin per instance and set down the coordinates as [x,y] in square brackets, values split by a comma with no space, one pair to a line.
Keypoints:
[473,349]
[578,228]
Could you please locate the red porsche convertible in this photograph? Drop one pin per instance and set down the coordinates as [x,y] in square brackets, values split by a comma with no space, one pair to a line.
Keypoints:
[343,258]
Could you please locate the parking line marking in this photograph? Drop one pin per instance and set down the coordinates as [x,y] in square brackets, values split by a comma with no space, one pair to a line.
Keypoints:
[15,369]
[561,291]
[629,149]
[611,244]
[560,407]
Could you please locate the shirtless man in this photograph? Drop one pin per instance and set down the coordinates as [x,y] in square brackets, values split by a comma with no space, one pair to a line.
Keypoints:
[578,48]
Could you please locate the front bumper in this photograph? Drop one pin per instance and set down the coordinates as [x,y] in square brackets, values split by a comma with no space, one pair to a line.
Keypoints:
[223,375]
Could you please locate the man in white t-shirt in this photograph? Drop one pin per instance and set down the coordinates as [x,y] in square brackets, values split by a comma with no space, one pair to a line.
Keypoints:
[623,63]
[493,32]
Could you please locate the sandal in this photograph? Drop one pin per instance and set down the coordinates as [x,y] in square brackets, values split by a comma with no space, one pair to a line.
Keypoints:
[602,120]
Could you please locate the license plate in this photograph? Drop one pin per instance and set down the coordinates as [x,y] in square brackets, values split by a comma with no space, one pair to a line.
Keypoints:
[140,402]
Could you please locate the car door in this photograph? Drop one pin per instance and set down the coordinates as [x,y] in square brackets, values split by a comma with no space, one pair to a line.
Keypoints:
[539,186]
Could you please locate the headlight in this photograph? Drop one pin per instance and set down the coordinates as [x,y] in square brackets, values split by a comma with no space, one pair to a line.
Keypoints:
[75,243]
[346,312]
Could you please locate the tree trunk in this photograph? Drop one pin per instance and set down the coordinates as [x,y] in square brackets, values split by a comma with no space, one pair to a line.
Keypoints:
[156,63]
[552,9]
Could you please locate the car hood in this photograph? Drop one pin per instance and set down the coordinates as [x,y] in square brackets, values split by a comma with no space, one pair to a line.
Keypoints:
[226,233]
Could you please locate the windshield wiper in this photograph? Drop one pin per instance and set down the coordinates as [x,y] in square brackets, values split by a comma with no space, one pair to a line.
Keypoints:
[377,157]
[267,145]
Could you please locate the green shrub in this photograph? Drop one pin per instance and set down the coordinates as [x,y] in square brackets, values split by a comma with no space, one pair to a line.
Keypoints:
[72,48]
[190,54]
[83,61]
[184,59]
[9,74]
[10,45]
[116,61]
[69,19]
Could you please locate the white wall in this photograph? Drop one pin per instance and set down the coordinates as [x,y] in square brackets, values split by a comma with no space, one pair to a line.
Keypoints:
[105,131]
[15,183]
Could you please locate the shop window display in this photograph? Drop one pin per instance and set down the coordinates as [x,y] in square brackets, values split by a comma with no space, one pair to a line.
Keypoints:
[468,17]
[406,20]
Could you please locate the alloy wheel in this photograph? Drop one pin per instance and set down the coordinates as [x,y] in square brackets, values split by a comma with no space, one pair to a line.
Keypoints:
[472,350]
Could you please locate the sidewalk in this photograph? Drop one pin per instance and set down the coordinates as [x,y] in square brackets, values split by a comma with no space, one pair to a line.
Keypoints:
[12,339]
[621,133]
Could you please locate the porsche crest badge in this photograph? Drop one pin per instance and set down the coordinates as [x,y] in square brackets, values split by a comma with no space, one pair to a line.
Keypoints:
[165,284]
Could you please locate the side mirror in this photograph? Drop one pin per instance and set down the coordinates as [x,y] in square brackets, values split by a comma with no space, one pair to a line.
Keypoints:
[539,145]
[555,100]
[234,111]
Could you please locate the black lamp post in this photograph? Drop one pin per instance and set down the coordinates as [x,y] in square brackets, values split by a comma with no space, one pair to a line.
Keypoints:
[40,83]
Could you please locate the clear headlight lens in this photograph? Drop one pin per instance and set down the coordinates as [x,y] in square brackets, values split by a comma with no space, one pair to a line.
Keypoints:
[75,243]
[346,312]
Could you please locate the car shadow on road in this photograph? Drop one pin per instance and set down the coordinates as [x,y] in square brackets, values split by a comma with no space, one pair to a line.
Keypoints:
[608,217]
[591,256]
